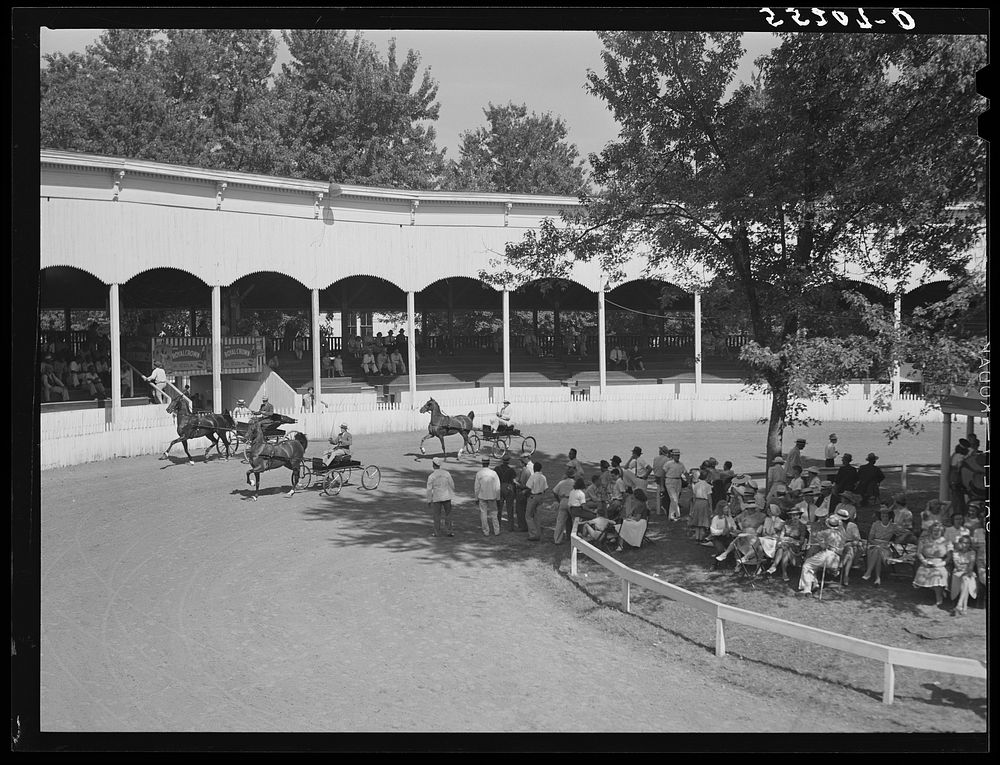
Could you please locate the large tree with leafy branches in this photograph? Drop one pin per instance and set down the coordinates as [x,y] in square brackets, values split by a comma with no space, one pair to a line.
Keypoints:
[517,152]
[846,154]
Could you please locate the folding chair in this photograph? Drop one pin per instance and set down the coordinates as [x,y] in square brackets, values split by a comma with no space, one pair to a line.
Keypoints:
[902,560]
[750,565]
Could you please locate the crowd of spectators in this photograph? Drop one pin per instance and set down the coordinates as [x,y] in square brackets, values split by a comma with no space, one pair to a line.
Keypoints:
[88,372]
[371,356]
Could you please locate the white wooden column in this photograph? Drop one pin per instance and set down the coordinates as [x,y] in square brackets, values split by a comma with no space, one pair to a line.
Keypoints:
[217,403]
[943,492]
[697,344]
[896,323]
[114,312]
[316,352]
[506,343]
[602,341]
[411,347]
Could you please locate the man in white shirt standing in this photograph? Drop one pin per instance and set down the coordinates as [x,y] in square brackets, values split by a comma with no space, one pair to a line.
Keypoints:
[673,473]
[830,453]
[440,492]
[158,377]
[486,491]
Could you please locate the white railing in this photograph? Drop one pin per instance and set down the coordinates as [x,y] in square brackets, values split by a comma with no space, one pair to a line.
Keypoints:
[890,656]
[134,435]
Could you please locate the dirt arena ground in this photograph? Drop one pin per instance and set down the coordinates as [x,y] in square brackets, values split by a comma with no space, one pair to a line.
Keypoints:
[171,602]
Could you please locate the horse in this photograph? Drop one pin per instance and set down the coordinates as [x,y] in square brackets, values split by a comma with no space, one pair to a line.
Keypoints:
[194,425]
[442,425]
[264,456]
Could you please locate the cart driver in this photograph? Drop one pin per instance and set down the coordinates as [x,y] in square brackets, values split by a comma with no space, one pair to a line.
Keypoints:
[241,415]
[502,418]
[341,444]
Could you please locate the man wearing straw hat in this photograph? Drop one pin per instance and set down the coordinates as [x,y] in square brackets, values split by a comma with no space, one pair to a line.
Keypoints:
[830,542]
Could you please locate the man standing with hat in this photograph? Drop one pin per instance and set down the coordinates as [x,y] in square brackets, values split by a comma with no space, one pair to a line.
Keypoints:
[870,477]
[486,491]
[794,458]
[830,453]
[440,492]
[659,462]
[507,476]
[673,473]
[775,479]
[157,378]
[522,493]
[845,480]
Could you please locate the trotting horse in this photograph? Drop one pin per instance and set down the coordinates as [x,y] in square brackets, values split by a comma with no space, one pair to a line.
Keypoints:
[442,425]
[208,424]
[267,456]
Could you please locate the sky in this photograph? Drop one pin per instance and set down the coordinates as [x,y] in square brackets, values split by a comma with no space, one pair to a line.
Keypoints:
[475,68]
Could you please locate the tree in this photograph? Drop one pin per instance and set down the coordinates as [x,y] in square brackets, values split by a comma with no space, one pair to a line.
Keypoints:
[349,116]
[519,153]
[847,152]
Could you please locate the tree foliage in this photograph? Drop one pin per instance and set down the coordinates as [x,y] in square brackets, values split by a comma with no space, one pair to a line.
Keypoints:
[208,98]
[846,153]
[517,152]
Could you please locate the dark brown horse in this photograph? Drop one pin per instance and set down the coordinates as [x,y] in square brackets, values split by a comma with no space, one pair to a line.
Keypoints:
[213,426]
[267,456]
[442,425]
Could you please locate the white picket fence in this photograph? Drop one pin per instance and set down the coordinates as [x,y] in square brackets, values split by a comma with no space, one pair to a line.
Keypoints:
[88,435]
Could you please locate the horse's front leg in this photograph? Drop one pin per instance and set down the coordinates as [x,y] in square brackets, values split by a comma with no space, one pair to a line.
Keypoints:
[429,435]
[169,447]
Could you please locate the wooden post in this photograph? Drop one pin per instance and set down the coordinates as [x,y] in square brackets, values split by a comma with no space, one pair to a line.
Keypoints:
[626,603]
[697,344]
[317,350]
[720,637]
[217,403]
[411,347]
[572,558]
[602,341]
[902,478]
[888,683]
[943,488]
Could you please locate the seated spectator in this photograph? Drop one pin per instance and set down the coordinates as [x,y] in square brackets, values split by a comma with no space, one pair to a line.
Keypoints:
[75,367]
[618,358]
[880,536]
[963,574]
[382,363]
[126,378]
[796,482]
[902,519]
[770,531]
[530,343]
[956,529]
[791,544]
[635,360]
[632,527]
[327,363]
[591,530]
[52,387]
[595,496]
[368,363]
[850,501]
[338,366]
[616,494]
[852,543]
[828,544]
[636,505]
[870,478]
[722,529]
[744,544]
[274,362]
[932,555]
[93,383]
[396,362]
[355,347]
[935,512]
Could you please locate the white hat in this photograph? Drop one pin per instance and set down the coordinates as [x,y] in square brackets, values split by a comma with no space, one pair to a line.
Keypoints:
[343,426]
[436,462]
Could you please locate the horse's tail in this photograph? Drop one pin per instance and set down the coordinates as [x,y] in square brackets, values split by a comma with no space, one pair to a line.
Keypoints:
[301,438]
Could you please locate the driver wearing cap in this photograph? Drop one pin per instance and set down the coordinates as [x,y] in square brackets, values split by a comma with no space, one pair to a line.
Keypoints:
[266,407]
[341,443]
[502,419]
[241,412]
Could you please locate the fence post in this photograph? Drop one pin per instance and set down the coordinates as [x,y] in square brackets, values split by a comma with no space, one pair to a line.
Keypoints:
[626,604]
[720,637]
[888,683]
[572,557]
[902,479]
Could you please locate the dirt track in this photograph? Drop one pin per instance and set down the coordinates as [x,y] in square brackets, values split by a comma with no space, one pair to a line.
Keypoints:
[170,602]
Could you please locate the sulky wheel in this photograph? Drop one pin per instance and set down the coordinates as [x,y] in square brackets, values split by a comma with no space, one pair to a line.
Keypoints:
[474,444]
[500,447]
[371,478]
[305,476]
[333,483]
[528,445]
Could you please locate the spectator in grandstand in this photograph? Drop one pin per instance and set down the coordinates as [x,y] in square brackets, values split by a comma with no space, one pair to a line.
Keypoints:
[75,367]
[396,363]
[618,358]
[581,345]
[326,362]
[870,477]
[355,347]
[338,365]
[390,342]
[635,360]
[298,346]
[368,363]
[126,380]
[497,339]
[382,363]
[52,386]
[309,400]
[932,555]
[530,343]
